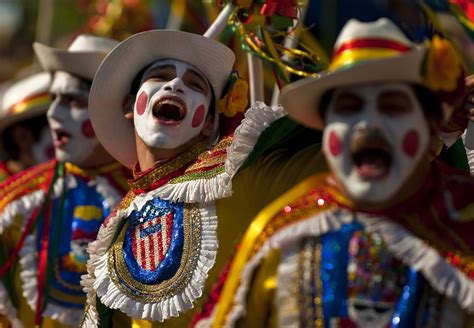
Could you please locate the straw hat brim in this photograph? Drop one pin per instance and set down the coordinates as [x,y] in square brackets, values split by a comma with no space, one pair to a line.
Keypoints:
[81,63]
[116,73]
[302,98]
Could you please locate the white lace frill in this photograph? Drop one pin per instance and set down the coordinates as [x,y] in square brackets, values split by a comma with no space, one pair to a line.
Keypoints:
[98,282]
[257,118]
[409,249]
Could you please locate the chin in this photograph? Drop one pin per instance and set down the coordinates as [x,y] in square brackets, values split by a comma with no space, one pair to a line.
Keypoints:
[375,193]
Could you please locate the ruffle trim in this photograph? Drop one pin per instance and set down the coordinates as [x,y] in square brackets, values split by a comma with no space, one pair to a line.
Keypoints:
[96,250]
[412,251]
[257,118]
[7,309]
[28,254]
[24,206]
[98,282]
[29,278]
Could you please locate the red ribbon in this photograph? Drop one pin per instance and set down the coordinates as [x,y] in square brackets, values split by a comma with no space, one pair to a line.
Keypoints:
[372,43]
[14,253]
[285,8]
[43,261]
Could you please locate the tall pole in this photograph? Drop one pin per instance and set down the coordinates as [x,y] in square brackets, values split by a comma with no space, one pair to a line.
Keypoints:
[44,23]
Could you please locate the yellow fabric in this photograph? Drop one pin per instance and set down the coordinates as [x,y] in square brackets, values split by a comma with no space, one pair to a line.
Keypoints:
[261,295]
[253,189]
[246,247]
[352,56]
[10,237]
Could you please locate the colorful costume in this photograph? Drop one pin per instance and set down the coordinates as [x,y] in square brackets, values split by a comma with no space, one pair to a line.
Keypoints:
[48,214]
[385,239]
[311,258]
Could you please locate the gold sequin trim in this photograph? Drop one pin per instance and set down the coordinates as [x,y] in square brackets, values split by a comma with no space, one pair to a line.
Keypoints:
[152,293]
[163,170]
[88,173]
[308,274]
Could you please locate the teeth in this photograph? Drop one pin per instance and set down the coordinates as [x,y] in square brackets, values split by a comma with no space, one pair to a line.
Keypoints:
[172,102]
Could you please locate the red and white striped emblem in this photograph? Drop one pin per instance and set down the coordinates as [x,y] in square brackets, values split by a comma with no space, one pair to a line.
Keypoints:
[151,239]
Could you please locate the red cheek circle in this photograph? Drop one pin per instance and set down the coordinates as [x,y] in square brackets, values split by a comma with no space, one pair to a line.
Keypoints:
[198,117]
[335,144]
[141,103]
[87,129]
[411,143]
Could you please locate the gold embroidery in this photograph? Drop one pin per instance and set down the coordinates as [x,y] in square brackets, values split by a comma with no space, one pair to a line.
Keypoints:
[150,293]
[163,170]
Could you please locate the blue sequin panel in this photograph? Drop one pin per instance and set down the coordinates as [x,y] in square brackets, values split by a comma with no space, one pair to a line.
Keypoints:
[334,260]
[149,223]
[75,233]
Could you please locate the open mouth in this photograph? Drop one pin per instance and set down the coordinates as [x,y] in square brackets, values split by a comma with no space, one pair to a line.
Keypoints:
[60,137]
[169,110]
[372,160]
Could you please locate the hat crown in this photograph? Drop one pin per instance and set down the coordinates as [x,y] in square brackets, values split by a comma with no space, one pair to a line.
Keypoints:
[383,28]
[31,87]
[361,41]
[90,43]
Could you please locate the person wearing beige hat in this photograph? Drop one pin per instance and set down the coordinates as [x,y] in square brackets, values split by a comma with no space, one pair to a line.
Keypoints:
[151,262]
[385,238]
[50,212]
[26,139]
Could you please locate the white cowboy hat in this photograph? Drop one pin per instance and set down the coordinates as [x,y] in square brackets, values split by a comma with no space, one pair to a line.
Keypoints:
[24,99]
[118,70]
[364,53]
[82,58]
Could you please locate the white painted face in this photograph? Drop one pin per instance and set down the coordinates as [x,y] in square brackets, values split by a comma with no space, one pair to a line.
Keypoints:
[43,148]
[68,116]
[374,138]
[171,105]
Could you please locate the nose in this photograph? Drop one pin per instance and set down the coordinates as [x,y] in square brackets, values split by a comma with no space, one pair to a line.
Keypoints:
[176,85]
[57,111]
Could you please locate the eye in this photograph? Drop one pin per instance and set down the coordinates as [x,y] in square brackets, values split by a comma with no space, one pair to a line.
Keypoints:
[348,106]
[394,103]
[196,86]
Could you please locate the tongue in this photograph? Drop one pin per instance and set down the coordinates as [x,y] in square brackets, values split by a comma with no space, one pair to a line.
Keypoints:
[372,167]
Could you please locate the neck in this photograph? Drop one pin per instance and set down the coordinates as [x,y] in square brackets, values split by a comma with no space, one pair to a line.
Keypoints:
[149,156]
[99,157]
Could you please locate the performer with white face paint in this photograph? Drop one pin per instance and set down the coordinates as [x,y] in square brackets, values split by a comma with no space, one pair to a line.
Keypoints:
[384,239]
[152,259]
[50,212]
[26,138]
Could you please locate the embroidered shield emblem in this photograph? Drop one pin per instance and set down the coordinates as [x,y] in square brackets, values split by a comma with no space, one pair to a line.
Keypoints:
[151,239]
[154,239]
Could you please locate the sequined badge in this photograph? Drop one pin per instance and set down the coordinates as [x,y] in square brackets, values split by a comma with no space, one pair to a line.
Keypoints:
[156,251]
[153,241]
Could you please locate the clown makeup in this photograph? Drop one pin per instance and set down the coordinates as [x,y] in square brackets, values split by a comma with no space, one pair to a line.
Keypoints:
[68,116]
[375,137]
[171,105]
[43,148]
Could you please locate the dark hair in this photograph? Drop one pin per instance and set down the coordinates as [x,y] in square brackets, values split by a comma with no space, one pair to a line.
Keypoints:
[35,125]
[429,101]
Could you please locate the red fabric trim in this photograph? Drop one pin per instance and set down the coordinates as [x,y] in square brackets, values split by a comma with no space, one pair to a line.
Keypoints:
[43,263]
[371,43]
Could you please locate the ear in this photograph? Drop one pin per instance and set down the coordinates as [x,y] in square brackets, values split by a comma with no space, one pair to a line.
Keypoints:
[127,106]
[207,129]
